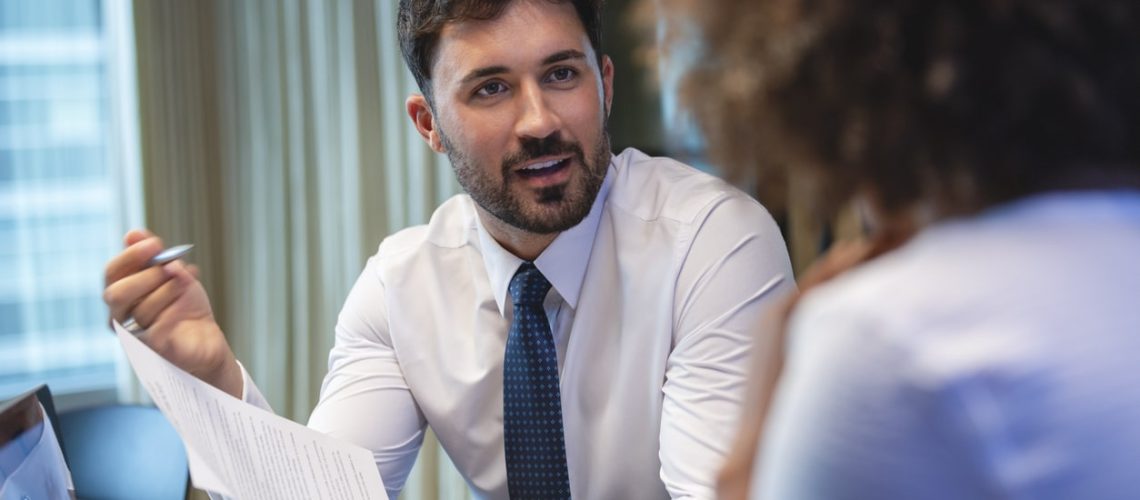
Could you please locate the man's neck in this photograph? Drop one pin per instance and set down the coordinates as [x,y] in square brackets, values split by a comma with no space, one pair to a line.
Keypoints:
[523,244]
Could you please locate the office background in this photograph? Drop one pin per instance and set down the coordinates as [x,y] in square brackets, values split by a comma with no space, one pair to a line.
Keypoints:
[272,135]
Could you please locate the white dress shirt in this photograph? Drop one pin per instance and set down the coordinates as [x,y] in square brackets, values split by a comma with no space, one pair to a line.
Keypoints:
[993,357]
[655,298]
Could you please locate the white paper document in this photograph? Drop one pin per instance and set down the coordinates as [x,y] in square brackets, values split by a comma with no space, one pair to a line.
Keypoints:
[241,451]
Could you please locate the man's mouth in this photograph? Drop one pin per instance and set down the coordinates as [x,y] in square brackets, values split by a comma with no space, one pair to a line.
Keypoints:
[544,169]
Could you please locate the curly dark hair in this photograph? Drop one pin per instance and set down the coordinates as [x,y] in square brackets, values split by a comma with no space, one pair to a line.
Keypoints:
[419,23]
[963,103]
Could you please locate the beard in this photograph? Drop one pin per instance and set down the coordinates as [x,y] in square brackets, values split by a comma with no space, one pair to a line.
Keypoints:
[550,209]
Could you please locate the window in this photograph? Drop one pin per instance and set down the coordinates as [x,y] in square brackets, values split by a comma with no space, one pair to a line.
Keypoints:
[63,194]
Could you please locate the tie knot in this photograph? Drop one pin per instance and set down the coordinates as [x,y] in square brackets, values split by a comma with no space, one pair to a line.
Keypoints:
[528,286]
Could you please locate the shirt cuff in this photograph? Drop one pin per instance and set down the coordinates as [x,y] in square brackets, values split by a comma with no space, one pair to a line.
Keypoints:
[249,391]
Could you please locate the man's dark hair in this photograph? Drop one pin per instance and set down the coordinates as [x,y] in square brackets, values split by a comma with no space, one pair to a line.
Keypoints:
[966,103]
[420,22]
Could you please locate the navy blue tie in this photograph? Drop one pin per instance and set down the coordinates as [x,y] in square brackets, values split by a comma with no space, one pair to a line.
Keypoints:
[532,402]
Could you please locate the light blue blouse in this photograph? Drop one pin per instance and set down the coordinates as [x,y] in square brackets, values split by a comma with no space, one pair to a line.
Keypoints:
[996,356]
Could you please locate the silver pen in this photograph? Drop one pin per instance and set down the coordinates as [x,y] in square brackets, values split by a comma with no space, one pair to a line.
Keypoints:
[169,255]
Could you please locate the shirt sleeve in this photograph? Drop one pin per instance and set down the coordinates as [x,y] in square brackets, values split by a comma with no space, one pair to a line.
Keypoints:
[365,399]
[736,270]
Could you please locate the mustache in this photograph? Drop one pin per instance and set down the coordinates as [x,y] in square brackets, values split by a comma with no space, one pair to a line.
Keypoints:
[532,148]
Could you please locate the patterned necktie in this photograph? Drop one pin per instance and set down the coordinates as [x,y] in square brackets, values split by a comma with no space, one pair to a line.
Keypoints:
[532,402]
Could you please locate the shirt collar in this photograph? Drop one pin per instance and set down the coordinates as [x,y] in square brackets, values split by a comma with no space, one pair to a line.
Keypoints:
[563,262]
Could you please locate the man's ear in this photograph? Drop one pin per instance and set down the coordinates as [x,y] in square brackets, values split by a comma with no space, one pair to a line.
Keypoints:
[608,81]
[422,117]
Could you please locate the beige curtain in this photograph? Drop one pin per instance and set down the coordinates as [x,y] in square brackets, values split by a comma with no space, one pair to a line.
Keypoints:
[273,137]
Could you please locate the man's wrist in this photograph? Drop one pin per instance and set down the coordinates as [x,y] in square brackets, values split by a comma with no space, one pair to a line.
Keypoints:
[229,378]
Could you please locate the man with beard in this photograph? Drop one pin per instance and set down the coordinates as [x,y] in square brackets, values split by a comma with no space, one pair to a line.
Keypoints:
[577,323]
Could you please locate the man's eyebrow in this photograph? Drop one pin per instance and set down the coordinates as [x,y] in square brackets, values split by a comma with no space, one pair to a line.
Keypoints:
[483,73]
[563,56]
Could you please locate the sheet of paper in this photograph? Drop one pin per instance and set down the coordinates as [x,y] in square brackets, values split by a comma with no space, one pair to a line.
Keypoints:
[241,451]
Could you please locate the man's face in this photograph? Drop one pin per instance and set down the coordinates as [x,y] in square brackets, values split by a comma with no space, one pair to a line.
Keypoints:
[520,108]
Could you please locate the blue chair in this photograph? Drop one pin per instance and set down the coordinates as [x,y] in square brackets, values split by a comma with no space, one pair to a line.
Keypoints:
[124,452]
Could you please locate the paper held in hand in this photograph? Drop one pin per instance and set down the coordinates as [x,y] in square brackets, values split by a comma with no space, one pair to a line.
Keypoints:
[241,451]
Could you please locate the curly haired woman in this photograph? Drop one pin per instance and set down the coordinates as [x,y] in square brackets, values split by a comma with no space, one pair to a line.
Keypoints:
[983,343]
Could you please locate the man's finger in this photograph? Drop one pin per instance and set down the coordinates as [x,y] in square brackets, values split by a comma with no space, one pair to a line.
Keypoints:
[132,259]
[148,309]
[122,295]
[136,235]
[193,270]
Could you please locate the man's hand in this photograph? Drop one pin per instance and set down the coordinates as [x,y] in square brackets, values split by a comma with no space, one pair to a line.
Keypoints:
[169,302]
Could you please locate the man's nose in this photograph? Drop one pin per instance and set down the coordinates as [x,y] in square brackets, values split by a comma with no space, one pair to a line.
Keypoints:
[536,118]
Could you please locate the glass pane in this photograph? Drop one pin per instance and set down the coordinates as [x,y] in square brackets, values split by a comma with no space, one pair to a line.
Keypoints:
[56,202]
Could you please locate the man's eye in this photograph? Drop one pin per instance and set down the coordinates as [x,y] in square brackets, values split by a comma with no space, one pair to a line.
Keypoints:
[562,74]
[490,89]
